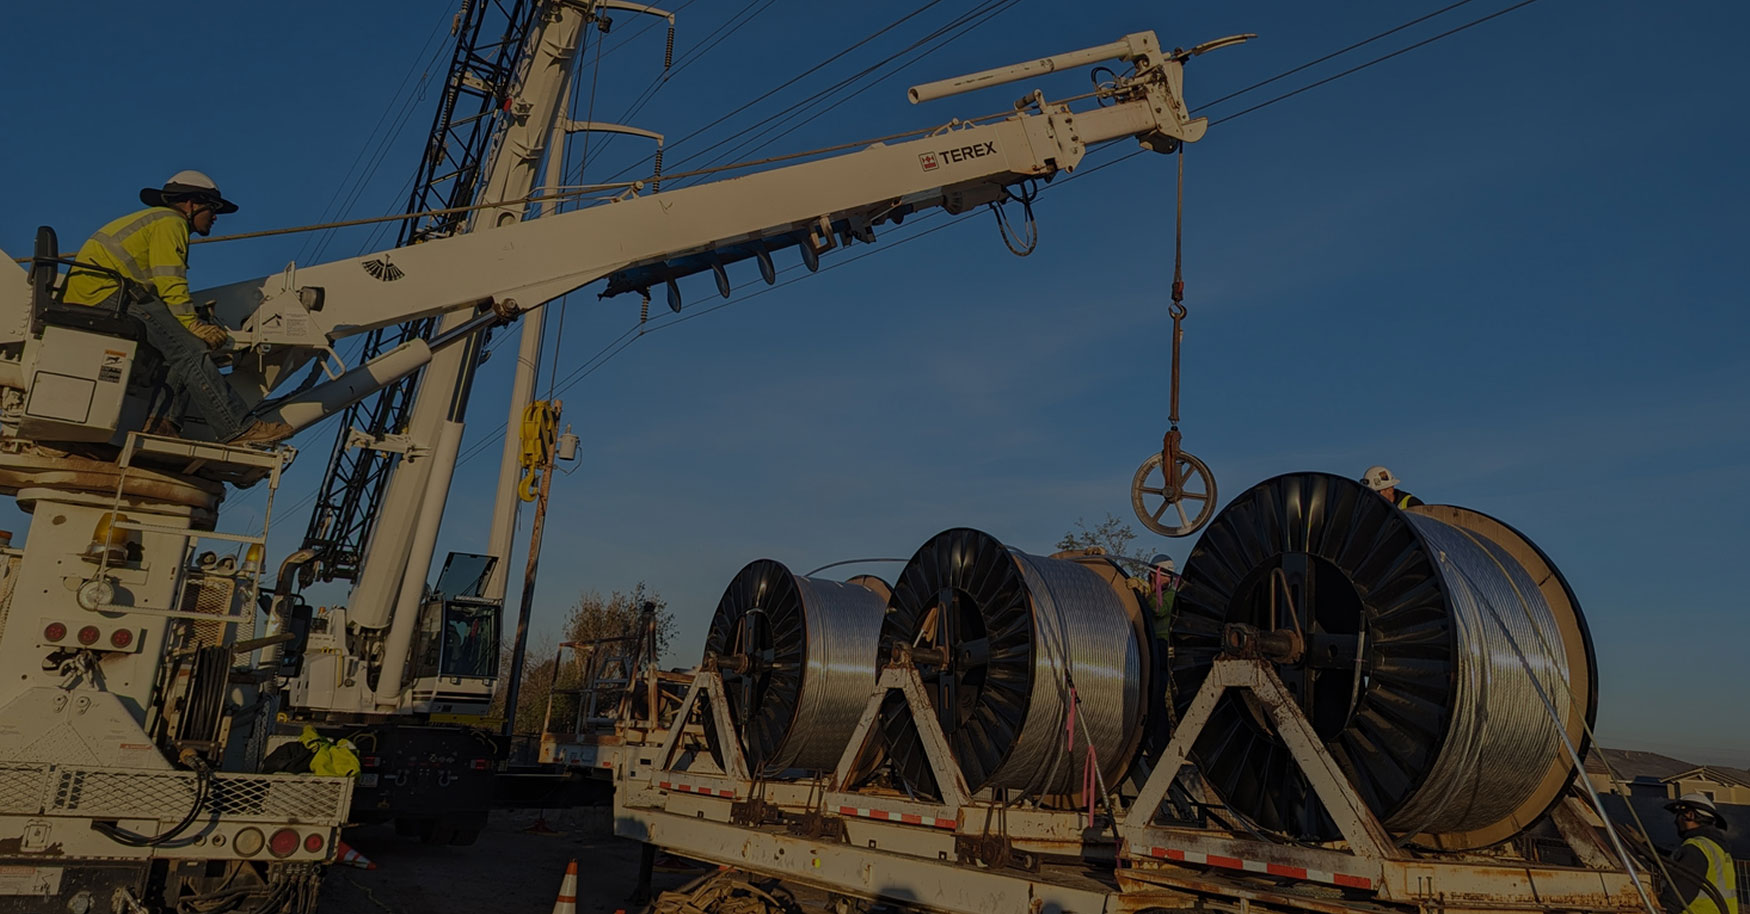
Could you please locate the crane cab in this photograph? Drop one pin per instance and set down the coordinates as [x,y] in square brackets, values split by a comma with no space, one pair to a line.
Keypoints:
[456,651]
[73,373]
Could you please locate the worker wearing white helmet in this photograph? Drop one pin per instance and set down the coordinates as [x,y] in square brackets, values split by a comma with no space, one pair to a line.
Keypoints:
[1702,873]
[1381,480]
[140,264]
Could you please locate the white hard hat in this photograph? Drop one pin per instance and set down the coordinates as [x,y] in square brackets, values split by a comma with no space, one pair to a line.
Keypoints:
[1698,801]
[187,183]
[1378,478]
[1162,561]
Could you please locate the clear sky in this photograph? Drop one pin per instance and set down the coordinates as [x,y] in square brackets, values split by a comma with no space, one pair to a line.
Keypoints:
[1501,264]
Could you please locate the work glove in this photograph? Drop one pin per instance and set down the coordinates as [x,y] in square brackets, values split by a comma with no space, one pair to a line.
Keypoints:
[215,336]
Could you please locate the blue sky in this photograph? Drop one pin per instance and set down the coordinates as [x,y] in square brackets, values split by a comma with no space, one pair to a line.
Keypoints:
[1500,264]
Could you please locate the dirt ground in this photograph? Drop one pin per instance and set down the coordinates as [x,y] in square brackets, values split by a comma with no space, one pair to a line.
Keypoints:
[510,870]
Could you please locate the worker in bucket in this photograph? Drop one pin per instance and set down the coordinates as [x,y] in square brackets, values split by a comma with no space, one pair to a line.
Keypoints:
[1702,872]
[149,248]
[1381,480]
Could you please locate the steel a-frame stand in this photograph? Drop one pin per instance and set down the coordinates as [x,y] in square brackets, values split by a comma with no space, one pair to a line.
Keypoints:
[1374,865]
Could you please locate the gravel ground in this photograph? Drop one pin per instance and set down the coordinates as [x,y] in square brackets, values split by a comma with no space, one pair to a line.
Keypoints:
[510,870]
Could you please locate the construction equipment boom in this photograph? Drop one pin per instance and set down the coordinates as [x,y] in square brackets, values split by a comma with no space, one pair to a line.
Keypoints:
[139,667]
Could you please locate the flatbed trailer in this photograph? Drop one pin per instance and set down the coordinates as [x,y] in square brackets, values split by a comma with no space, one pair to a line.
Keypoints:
[680,789]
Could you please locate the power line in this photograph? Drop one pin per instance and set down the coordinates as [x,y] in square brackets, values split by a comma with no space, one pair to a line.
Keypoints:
[589,368]
[1338,53]
[799,106]
[372,146]
[1377,60]
[619,344]
[954,29]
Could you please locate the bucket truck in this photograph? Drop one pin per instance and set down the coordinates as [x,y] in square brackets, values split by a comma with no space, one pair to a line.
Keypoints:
[143,699]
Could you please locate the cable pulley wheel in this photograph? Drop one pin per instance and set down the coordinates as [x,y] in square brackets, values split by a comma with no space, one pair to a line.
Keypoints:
[1157,501]
[1431,638]
[797,656]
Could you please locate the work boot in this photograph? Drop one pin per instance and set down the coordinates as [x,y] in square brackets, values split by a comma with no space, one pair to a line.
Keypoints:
[263,431]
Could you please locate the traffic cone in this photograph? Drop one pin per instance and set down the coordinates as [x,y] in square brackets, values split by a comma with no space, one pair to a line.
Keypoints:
[345,855]
[567,902]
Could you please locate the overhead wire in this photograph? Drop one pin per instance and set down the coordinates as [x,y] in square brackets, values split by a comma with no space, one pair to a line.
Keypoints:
[375,146]
[1377,60]
[942,36]
[638,331]
[632,110]
[1335,54]
[687,58]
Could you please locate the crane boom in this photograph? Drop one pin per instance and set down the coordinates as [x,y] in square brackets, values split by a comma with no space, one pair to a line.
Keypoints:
[534,262]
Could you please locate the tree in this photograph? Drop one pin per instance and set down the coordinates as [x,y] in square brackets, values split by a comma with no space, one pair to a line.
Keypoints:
[1112,536]
[591,618]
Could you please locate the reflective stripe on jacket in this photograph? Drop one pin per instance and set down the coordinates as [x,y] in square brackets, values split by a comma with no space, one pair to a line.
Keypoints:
[149,247]
[1720,872]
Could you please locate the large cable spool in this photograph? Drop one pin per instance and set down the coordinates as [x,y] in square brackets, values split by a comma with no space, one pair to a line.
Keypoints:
[1437,642]
[1008,633]
[798,659]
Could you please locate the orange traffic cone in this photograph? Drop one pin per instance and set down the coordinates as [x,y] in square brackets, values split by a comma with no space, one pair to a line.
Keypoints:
[344,854]
[567,902]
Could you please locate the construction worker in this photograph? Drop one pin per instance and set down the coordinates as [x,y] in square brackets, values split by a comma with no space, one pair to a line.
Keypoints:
[1381,480]
[150,248]
[1702,861]
[1159,591]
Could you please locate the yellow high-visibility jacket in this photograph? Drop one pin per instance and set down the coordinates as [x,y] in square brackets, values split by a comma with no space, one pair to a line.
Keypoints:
[333,758]
[150,247]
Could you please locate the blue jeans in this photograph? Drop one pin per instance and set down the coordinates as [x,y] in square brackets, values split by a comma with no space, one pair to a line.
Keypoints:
[190,377]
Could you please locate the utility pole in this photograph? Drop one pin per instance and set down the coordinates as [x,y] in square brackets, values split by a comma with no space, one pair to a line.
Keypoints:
[550,453]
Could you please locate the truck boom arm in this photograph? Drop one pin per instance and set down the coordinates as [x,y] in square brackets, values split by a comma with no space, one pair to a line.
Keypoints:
[630,239]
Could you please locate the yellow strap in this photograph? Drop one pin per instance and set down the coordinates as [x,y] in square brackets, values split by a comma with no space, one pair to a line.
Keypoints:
[540,429]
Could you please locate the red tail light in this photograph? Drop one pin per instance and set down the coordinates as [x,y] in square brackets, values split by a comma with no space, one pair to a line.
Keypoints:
[314,842]
[89,634]
[370,761]
[481,764]
[54,631]
[284,843]
[121,638]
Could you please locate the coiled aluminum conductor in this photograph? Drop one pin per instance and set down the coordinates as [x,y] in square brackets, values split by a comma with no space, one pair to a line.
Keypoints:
[798,659]
[1010,633]
[1445,663]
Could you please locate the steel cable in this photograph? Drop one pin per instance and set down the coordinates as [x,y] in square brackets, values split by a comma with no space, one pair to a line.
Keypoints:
[810,649]
[1084,637]
[1500,740]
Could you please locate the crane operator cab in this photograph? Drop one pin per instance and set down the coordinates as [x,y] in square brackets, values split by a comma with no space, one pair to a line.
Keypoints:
[72,373]
[81,374]
[456,650]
